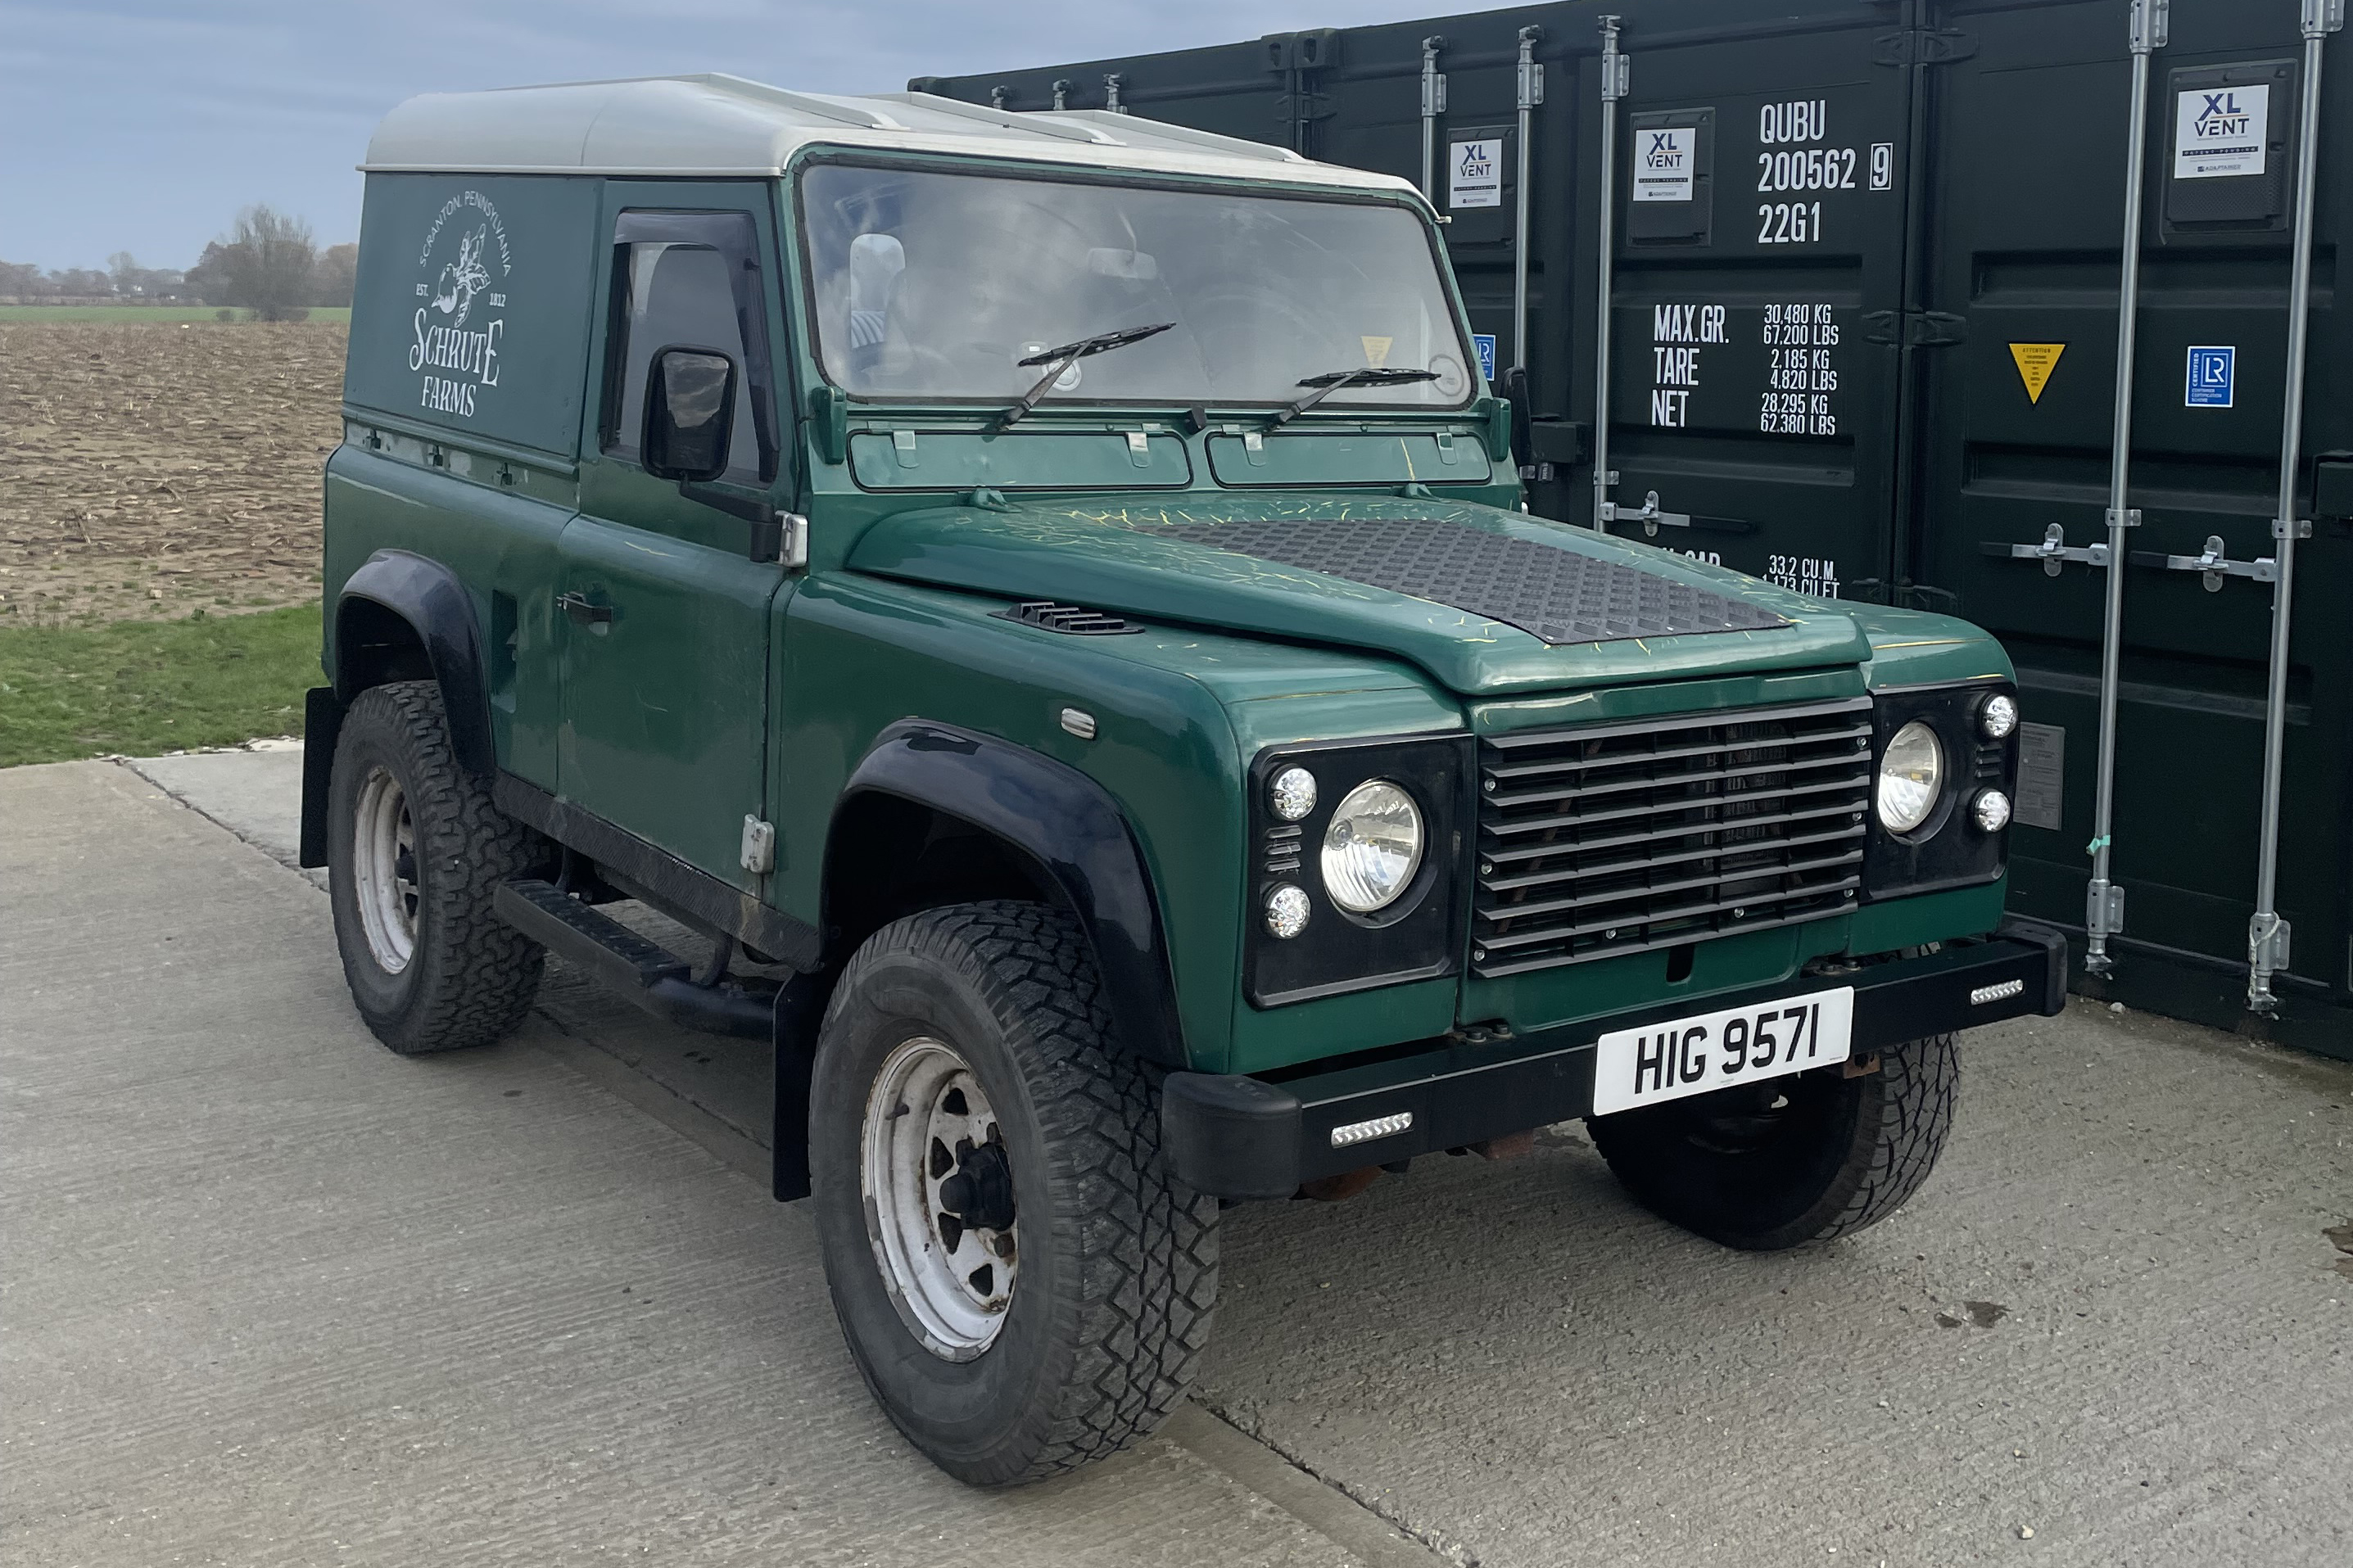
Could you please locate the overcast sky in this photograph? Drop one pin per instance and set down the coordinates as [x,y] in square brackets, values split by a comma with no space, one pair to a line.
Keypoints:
[143,125]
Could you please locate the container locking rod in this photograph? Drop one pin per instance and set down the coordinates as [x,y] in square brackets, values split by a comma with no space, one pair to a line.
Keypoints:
[1433,104]
[1615,79]
[1530,83]
[2102,910]
[2267,933]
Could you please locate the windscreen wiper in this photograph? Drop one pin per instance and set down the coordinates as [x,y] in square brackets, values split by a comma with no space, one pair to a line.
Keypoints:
[1057,361]
[1332,381]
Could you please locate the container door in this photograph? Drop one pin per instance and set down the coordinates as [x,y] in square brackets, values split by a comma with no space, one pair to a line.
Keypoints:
[1251,90]
[1437,103]
[1762,175]
[2028,131]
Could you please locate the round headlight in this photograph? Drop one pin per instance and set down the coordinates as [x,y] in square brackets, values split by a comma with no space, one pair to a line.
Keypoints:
[1292,793]
[1372,848]
[1993,810]
[1999,717]
[1911,777]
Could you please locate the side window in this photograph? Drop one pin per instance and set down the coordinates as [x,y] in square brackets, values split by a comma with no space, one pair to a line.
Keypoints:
[669,295]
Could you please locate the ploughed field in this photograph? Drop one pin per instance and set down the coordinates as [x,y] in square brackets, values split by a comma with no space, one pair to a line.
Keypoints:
[149,470]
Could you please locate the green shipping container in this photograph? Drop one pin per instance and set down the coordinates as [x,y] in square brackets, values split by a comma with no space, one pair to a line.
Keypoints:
[1864,266]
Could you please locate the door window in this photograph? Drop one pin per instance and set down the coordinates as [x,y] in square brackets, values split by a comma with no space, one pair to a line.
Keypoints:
[671,295]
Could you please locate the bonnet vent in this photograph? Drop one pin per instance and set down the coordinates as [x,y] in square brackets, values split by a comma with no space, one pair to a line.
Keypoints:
[1068,619]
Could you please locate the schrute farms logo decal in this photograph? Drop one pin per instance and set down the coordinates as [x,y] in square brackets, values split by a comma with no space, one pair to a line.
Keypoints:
[465,261]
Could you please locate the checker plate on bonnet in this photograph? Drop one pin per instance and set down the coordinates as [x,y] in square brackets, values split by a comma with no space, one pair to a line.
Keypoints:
[1557,595]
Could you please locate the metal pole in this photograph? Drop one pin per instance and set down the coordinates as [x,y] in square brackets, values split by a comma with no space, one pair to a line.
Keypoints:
[1433,104]
[2267,934]
[1614,82]
[1531,93]
[2104,902]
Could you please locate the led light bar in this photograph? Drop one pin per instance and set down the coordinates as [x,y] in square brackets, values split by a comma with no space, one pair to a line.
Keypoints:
[1365,1131]
[2000,991]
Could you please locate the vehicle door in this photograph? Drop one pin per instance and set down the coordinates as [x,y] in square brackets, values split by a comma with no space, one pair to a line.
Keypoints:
[665,602]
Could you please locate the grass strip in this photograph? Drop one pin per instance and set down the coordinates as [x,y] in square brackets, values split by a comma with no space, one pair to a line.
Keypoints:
[139,688]
[154,315]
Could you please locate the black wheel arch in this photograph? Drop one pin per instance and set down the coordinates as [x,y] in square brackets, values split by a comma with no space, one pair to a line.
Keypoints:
[935,814]
[401,616]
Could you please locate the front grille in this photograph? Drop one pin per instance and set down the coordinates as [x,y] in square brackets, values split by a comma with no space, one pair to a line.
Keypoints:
[1613,838]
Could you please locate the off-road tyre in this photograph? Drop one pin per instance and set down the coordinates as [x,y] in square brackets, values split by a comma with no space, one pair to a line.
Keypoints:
[470,978]
[1841,1154]
[1111,1307]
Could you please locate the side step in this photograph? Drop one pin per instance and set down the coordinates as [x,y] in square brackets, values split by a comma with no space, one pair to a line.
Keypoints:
[621,960]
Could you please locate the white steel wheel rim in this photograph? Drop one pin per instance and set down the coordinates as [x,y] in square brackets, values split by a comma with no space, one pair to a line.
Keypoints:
[383,870]
[952,1282]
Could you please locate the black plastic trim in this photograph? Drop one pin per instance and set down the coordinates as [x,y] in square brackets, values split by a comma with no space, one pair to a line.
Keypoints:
[659,878]
[1419,937]
[430,597]
[1069,825]
[1239,1137]
[1948,850]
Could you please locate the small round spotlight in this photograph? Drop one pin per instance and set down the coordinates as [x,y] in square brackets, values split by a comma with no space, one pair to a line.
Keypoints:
[1293,794]
[1286,913]
[1999,717]
[1993,810]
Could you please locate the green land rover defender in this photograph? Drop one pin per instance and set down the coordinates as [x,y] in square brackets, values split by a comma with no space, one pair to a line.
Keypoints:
[1047,597]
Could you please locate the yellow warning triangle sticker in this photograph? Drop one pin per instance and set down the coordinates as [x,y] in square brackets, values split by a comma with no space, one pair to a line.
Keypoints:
[1376,351]
[2035,363]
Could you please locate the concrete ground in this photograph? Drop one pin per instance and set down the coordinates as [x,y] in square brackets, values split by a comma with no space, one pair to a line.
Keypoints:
[272,1295]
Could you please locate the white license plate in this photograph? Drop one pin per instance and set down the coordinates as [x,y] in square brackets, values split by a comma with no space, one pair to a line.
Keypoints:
[1709,1051]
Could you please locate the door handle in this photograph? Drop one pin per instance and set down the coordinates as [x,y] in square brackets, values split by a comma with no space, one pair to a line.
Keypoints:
[585,611]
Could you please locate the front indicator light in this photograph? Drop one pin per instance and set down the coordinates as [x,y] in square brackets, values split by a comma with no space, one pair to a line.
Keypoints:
[1993,810]
[1373,848]
[1286,913]
[1911,777]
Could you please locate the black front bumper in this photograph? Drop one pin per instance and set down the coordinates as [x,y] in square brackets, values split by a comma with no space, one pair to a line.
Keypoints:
[1240,1137]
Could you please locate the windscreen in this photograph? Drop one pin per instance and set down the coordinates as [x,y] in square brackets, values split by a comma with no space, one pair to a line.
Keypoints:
[936,286]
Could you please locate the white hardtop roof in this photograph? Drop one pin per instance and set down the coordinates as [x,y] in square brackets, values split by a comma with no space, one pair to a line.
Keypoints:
[725,125]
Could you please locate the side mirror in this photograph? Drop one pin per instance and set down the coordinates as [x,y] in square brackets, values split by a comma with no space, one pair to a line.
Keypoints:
[690,413]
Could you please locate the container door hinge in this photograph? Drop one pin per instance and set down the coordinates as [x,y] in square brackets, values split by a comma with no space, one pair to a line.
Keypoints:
[1922,48]
[2053,550]
[2213,562]
[759,853]
[2104,908]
